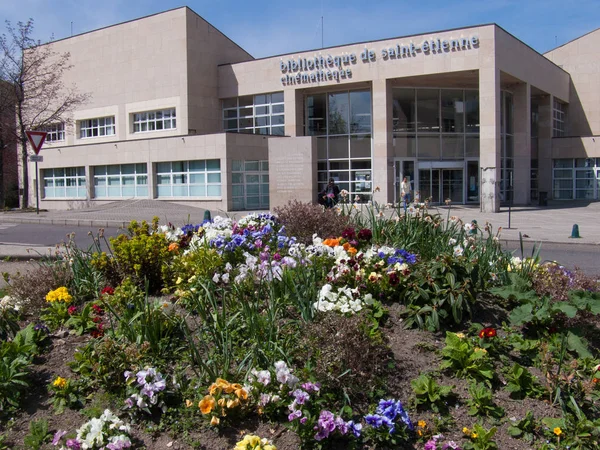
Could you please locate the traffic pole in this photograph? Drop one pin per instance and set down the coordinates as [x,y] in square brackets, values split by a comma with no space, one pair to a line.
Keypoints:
[37,190]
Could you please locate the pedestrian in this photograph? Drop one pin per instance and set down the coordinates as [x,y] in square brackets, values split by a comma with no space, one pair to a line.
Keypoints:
[405,193]
[330,195]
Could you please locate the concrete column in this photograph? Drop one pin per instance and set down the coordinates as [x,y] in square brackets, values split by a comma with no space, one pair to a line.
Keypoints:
[522,144]
[545,144]
[152,189]
[383,169]
[293,100]
[489,141]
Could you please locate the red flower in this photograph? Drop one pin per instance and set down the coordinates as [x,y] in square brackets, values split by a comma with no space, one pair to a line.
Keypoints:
[107,290]
[487,332]
[97,309]
[365,234]
[72,310]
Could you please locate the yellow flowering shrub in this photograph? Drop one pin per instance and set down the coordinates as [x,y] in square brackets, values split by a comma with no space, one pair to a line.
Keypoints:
[252,442]
[60,295]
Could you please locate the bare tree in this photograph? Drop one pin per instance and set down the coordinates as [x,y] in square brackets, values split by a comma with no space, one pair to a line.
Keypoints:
[35,72]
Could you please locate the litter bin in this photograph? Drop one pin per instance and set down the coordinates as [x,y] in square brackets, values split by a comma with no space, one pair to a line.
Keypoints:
[543,199]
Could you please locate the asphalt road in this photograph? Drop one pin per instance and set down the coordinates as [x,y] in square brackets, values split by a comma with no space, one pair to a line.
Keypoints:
[49,235]
[586,257]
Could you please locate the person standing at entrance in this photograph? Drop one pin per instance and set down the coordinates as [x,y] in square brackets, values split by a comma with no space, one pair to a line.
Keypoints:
[330,195]
[405,193]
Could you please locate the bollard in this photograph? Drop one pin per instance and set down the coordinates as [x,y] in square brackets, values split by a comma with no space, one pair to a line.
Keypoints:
[207,217]
[575,232]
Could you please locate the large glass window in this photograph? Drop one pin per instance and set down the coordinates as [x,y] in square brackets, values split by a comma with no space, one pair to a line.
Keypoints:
[164,119]
[255,114]
[342,121]
[435,123]
[200,178]
[102,126]
[559,111]
[576,179]
[68,182]
[121,180]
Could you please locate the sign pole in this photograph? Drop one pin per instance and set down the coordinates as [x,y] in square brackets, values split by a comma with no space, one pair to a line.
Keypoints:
[37,190]
[36,139]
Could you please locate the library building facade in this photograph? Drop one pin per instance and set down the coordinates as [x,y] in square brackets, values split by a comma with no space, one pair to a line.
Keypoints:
[179,112]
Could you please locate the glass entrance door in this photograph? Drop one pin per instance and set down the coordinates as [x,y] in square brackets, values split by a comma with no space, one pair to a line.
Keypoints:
[441,184]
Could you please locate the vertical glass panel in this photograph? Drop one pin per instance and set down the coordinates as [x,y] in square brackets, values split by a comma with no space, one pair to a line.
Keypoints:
[198,191]
[428,106]
[453,147]
[338,113]
[405,145]
[429,147]
[213,165]
[180,191]
[237,165]
[360,112]
[360,146]
[316,113]
[213,191]
[252,166]
[472,146]
[453,111]
[509,112]
[163,191]
[472,181]
[472,111]
[322,148]
[338,147]
[197,166]
[404,110]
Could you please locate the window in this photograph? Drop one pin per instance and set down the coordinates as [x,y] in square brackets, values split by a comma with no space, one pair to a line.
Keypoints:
[255,114]
[56,132]
[200,178]
[559,112]
[103,126]
[154,121]
[66,182]
[436,123]
[250,185]
[342,122]
[576,179]
[124,180]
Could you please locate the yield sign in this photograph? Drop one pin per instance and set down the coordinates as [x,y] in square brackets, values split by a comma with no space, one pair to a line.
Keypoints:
[36,139]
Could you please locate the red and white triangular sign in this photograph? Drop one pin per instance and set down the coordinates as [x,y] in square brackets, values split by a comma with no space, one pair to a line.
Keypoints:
[36,139]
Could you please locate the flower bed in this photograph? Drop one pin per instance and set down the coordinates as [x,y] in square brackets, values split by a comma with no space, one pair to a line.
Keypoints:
[400,331]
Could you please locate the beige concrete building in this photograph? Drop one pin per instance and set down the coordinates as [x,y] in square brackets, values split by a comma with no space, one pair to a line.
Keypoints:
[179,112]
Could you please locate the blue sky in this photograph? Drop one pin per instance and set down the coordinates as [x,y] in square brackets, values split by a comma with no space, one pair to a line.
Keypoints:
[266,28]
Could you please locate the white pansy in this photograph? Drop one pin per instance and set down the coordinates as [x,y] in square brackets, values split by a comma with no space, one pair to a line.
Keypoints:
[458,250]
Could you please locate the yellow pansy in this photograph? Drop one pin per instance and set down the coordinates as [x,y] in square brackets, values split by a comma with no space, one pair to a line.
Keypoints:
[60,382]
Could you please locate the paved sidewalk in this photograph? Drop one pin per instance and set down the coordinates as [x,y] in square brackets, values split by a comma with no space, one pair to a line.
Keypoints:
[537,224]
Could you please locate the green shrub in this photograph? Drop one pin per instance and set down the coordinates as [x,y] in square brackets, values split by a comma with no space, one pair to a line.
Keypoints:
[302,220]
[142,255]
